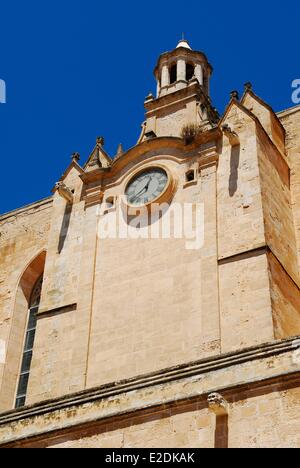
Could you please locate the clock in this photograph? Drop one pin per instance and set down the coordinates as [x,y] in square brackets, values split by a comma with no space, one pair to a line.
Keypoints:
[147,186]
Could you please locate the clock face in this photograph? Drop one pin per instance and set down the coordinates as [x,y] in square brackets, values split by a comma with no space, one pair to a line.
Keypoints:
[146,186]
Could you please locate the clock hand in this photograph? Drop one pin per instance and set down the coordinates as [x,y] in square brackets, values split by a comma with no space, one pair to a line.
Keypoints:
[138,195]
[147,186]
[143,190]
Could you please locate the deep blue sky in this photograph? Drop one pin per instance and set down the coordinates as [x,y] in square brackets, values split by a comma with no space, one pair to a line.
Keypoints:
[79,69]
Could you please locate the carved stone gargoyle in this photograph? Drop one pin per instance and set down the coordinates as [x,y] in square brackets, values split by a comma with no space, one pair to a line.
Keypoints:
[64,191]
[217,404]
[231,135]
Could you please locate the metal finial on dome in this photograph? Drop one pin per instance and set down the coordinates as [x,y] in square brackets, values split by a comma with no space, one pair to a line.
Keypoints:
[183,43]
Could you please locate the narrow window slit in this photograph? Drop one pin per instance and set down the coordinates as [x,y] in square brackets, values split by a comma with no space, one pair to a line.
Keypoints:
[29,343]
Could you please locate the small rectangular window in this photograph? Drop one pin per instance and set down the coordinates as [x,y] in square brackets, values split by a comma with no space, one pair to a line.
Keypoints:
[190,176]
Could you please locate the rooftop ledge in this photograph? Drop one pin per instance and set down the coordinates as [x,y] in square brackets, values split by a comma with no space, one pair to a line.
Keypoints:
[289,111]
[17,211]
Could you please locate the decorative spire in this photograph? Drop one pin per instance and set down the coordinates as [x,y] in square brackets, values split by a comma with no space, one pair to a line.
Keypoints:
[98,158]
[234,94]
[76,157]
[100,141]
[120,150]
[248,86]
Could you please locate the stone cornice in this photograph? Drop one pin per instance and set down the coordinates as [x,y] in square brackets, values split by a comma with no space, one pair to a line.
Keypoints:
[191,92]
[228,373]
[132,155]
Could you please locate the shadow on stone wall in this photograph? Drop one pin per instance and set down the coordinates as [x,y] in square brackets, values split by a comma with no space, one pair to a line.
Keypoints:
[64,227]
[234,169]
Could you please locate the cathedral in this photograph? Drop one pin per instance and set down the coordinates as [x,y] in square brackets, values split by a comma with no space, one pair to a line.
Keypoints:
[153,299]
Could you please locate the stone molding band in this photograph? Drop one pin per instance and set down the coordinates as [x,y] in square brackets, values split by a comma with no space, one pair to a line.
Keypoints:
[159,378]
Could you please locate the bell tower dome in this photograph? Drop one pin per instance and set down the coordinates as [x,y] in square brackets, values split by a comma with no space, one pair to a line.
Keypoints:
[182,98]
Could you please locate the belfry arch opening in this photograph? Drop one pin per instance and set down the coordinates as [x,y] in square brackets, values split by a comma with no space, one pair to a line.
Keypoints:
[27,296]
[173,74]
[190,71]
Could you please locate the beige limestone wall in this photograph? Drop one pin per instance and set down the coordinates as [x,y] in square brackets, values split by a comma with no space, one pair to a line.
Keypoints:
[291,122]
[267,421]
[171,120]
[62,338]
[64,248]
[60,354]
[167,116]
[144,305]
[267,118]
[185,428]
[245,305]
[52,372]
[254,209]
[151,298]
[210,303]
[277,205]
[244,379]
[240,213]
[245,302]
[23,237]
[140,307]
[285,297]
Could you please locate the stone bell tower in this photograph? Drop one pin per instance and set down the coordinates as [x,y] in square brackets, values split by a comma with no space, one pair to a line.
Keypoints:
[182,98]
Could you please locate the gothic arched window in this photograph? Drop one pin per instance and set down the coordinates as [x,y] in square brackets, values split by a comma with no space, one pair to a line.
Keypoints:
[29,342]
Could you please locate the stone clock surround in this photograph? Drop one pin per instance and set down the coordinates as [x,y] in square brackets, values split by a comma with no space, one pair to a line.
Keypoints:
[167,192]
